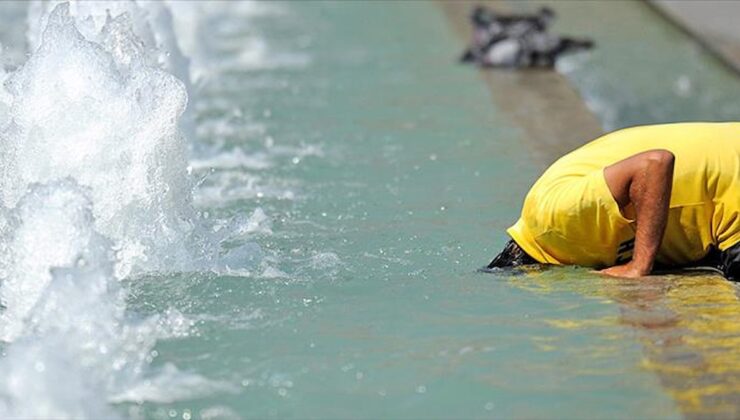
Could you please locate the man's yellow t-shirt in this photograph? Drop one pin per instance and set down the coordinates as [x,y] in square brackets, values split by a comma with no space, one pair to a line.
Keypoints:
[570,216]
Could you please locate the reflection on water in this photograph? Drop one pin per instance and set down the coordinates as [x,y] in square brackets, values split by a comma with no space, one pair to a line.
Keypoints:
[688,326]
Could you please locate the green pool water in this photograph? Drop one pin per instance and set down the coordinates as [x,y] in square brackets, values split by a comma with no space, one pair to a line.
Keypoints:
[381,312]
[376,308]
[380,175]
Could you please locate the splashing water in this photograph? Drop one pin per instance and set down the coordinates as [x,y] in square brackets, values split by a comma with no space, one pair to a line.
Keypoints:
[69,323]
[150,21]
[58,309]
[363,299]
[105,115]
[94,189]
[58,211]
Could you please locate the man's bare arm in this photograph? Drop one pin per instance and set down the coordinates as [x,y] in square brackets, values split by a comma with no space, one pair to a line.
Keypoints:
[643,180]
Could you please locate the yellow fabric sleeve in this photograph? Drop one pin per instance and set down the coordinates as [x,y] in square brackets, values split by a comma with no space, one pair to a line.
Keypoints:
[575,220]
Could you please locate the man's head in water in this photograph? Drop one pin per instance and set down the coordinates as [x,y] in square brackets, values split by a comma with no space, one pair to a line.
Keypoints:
[511,256]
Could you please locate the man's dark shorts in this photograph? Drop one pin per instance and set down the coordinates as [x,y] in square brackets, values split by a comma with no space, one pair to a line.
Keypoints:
[727,261]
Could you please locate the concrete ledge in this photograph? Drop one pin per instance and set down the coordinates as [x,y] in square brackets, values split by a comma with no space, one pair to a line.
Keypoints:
[713,23]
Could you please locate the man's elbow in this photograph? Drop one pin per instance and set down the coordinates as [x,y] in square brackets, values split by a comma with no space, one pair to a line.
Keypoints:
[659,158]
[658,162]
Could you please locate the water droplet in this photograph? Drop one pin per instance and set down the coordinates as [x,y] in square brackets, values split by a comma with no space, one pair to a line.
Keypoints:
[39,366]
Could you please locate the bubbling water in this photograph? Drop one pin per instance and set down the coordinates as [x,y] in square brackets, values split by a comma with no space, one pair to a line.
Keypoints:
[93,189]
[69,324]
[105,115]
[150,21]
[52,226]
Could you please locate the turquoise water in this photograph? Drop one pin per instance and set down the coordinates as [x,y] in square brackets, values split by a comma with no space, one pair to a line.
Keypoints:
[373,176]
[381,312]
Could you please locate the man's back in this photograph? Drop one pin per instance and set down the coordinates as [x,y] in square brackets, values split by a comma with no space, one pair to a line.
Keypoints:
[570,216]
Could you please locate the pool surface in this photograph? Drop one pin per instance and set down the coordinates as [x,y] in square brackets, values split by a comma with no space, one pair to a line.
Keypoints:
[370,176]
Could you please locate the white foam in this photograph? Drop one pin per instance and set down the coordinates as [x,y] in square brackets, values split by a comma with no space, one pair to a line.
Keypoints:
[256,55]
[50,227]
[170,385]
[190,18]
[105,116]
[226,187]
[150,22]
[258,222]
[47,312]
[325,260]
[94,188]
[58,317]
[65,315]
[240,260]
[233,159]
[270,272]
[219,412]
[205,26]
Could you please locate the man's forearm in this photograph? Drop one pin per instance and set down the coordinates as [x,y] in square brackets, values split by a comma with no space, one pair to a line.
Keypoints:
[643,181]
[650,193]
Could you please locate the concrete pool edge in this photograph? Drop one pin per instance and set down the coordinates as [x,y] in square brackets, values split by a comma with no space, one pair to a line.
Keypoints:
[708,29]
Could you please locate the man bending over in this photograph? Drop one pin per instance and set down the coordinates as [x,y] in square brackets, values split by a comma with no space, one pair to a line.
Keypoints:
[661,195]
